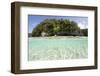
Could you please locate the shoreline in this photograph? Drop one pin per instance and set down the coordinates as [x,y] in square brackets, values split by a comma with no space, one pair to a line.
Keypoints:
[61,37]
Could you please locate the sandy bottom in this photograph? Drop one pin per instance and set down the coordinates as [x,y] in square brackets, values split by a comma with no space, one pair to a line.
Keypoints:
[57,48]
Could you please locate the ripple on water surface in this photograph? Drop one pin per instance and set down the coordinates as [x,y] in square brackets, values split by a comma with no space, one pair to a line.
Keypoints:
[57,48]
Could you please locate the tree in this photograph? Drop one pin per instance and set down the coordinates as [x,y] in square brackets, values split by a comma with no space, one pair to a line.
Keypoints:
[85,32]
[56,27]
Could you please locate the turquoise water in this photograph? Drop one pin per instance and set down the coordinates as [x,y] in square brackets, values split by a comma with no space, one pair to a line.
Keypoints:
[57,48]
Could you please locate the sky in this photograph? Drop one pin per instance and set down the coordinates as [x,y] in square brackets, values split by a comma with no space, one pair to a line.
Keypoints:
[34,20]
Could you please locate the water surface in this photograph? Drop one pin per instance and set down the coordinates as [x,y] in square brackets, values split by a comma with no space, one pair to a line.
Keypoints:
[57,48]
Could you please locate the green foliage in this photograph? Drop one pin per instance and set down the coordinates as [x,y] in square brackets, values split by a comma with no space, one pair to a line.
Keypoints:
[85,32]
[56,27]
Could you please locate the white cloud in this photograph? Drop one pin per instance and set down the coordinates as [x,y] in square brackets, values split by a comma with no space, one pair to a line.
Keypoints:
[82,26]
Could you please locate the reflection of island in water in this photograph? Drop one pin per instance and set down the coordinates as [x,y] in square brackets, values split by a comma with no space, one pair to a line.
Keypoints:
[58,27]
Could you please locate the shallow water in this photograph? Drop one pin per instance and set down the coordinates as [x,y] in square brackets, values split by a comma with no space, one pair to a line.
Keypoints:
[57,48]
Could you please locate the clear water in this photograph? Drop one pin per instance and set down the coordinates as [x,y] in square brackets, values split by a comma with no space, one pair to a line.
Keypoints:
[57,48]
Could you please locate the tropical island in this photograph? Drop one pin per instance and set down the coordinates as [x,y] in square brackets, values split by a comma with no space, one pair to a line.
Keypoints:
[57,38]
[57,27]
